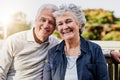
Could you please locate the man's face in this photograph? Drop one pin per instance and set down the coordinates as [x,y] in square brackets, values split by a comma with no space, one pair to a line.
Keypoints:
[45,25]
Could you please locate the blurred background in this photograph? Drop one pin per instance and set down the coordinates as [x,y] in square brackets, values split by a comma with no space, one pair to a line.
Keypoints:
[103,17]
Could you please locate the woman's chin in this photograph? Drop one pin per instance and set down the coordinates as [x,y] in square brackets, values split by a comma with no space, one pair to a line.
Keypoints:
[68,37]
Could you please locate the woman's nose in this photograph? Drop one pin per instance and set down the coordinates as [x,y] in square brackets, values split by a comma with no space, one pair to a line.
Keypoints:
[65,26]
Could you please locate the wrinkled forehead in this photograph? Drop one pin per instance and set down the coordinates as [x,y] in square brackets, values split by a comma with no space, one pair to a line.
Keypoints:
[65,15]
[47,13]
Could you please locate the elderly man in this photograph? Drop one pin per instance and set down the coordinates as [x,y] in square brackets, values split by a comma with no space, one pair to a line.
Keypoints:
[23,55]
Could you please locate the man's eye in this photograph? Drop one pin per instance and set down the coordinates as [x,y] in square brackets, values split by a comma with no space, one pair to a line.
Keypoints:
[42,19]
[51,22]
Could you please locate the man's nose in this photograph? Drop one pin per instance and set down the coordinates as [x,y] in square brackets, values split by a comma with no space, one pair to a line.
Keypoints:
[46,24]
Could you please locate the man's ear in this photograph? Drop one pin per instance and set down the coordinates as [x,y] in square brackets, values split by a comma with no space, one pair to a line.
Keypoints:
[35,20]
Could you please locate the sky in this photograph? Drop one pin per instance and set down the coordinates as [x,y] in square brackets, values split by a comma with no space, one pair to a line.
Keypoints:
[30,7]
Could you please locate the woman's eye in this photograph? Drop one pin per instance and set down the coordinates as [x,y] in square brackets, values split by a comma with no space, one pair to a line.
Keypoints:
[59,24]
[68,21]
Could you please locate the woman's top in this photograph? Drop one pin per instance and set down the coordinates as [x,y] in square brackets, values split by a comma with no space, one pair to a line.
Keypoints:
[71,70]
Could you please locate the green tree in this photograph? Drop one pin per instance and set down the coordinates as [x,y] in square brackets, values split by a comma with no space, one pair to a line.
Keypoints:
[99,23]
[113,35]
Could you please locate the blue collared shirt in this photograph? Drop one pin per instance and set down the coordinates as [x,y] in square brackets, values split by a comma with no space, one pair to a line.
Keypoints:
[91,64]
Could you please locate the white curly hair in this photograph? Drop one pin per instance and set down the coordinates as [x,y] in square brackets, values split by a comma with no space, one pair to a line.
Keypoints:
[77,13]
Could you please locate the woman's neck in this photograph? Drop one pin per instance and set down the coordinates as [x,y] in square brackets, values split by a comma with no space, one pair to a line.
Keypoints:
[72,47]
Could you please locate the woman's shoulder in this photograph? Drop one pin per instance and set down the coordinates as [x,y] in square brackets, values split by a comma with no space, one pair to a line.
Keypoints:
[93,43]
[89,43]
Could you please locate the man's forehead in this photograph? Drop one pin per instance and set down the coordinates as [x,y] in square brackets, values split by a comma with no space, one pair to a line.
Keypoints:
[47,14]
[49,11]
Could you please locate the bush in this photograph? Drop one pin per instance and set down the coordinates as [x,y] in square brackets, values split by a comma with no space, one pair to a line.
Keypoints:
[113,35]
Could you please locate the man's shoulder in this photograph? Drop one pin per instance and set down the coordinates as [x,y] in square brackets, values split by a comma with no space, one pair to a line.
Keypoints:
[53,39]
[18,34]
[17,37]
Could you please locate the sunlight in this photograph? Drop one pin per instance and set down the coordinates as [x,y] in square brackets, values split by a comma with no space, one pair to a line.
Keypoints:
[5,20]
[5,14]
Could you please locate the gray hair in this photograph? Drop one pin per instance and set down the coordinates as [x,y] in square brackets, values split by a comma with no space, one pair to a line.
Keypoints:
[77,13]
[51,7]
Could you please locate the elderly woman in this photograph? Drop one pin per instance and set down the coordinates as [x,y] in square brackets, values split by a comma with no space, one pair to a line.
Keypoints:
[74,58]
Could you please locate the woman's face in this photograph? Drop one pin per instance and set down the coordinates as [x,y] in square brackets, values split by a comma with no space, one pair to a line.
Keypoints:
[67,26]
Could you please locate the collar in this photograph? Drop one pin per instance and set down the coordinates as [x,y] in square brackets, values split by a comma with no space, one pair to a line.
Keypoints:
[30,37]
[84,45]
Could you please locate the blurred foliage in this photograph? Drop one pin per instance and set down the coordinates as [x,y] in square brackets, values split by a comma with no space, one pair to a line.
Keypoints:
[57,34]
[117,21]
[1,32]
[113,35]
[99,16]
[89,35]
[19,23]
[101,25]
